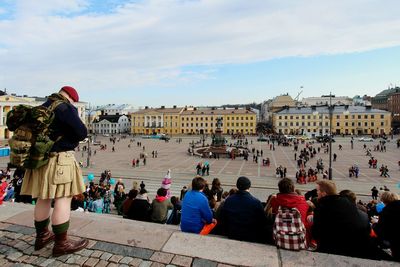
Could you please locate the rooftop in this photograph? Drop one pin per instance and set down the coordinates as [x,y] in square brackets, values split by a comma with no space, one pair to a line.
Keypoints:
[336,110]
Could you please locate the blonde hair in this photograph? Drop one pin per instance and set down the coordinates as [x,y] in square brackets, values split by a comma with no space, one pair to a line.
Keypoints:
[387,197]
[328,187]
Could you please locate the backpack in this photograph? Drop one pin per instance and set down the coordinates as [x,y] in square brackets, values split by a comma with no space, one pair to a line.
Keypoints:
[30,145]
[288,230]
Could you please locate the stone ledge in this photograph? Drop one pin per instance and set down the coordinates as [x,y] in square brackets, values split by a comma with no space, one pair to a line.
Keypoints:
[157,244]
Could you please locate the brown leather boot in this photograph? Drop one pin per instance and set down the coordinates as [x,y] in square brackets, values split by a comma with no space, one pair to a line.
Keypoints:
[43,238]
[63,245]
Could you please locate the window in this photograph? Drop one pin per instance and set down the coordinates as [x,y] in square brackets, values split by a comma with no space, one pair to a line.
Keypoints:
[302,117]
[372,116]
[382,116]
[338,124]
[291,117]
[365,116]
[359,116]
[372,124]
[280,117]
[366,124]
[382,123]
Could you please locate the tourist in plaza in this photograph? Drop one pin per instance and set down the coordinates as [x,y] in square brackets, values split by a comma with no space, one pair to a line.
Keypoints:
[242,215]
[46,184]
[3,188]
[337,226]
[216,189]
[374,193]
[196,212]
[160,206]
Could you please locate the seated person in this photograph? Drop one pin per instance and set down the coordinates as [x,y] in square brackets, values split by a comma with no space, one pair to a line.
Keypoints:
[289,199]
[140,207]
[242,215]
[387,228]
[337,225]
[160,207]
[195,209]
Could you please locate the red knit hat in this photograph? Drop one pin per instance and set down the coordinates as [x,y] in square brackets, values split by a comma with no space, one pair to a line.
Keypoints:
[72,93]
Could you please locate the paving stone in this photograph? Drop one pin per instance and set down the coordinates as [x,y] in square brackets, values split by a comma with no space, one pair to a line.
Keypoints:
[91,262]
[22,258]
[126,260]
[3,262]
[22,245]
[115,258]
[30,259]
[46,252]
[224,265]
[170,265]
[157,264]
[85,252]
[112,264]
[145,264]
[102,263]
[162,257]
[182,261]
[10,251]
[136,262]
[203,263]
[63,258]
[48,262]
[14,256]
[106,256]
[73,259]
[91,243]
[123,265]
[57,263]
[29,250]
[12,243]
[39,261]
[21,230]
[4,225]
[124,250]
[97,254]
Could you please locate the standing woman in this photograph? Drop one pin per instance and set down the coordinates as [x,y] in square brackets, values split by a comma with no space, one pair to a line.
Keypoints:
[60,179]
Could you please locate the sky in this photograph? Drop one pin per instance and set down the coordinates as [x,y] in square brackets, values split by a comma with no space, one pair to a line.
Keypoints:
[198,52]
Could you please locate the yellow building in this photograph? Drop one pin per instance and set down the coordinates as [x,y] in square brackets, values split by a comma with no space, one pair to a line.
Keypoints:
[156,120]
[191,120]
[314,120]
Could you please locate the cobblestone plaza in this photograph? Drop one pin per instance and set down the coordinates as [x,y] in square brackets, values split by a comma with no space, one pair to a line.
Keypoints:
[174,156]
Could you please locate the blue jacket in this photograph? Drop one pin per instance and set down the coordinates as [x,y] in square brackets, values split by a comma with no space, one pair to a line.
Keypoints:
[195,212]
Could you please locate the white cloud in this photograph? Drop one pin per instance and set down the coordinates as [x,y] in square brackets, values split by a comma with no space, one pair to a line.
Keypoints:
[149,42]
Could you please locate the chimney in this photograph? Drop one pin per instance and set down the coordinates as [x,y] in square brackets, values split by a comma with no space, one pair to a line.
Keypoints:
[313,107]
[162,107]
[174,106]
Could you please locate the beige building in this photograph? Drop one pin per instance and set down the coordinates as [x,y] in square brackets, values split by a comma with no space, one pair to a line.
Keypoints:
[314,121]
[191,120]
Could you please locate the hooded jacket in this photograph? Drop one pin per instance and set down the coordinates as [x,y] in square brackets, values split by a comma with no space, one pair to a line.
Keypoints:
[291,200]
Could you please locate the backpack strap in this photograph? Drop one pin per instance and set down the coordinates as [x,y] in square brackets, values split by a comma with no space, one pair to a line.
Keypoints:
[52,108]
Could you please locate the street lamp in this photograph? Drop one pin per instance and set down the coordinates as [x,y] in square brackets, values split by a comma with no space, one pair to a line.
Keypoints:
[330,135]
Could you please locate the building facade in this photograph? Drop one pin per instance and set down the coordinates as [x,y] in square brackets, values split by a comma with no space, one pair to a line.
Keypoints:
[315,121]
[325,100]
[192,120]
[112,124]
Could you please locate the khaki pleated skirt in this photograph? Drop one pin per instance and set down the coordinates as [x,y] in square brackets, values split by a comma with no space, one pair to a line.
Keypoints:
[61,177]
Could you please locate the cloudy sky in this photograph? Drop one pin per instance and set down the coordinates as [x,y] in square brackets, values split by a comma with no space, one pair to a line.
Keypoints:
[198,52]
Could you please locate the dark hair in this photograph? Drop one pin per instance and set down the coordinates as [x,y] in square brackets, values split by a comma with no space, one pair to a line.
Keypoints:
[132,193]
[348,194]
[233,191]
[174,200]
[162,192]
[143,191]
[216,183]
[198,183]
[286,186]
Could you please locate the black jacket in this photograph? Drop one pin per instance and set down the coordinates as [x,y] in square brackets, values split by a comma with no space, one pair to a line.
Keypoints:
[388,227]
[339,228]
[243,218]
[139,210]
[68,125]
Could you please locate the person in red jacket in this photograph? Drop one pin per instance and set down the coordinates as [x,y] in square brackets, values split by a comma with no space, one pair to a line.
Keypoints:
[288,198]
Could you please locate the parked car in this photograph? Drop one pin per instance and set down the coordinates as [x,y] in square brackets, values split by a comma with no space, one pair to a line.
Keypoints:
[365,139]
[324,139]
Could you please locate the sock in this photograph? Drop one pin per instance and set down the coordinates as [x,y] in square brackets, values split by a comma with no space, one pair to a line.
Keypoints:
[60,228]
[40,226]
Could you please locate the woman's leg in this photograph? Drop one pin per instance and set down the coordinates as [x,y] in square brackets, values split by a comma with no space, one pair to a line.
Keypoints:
[62,210]
[42,210]
[42,220]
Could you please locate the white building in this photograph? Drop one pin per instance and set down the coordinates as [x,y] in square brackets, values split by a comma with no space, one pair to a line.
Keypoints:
[324,100]
[112,124]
